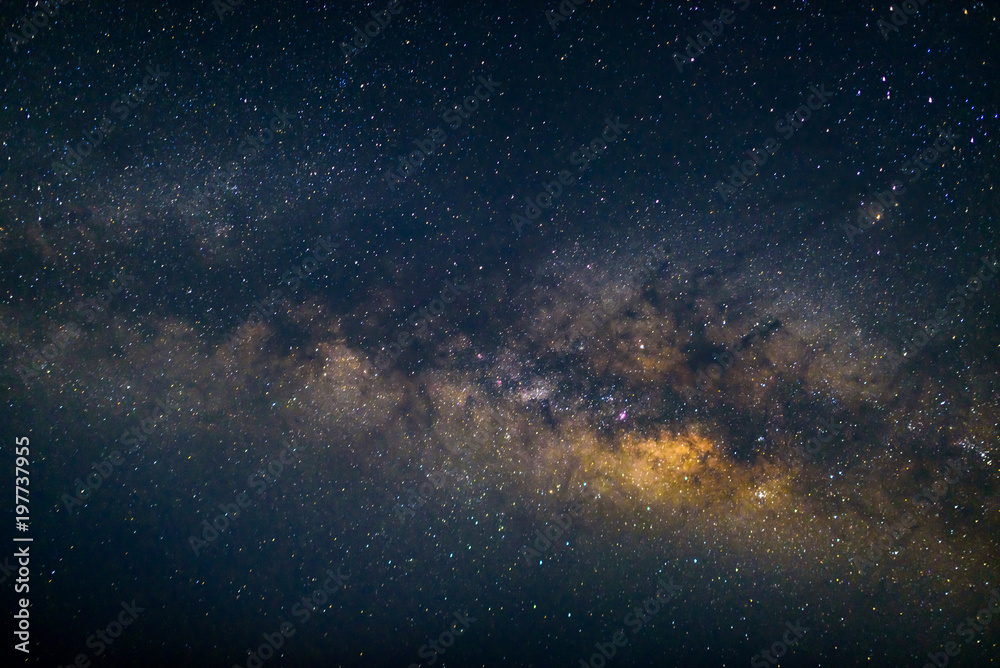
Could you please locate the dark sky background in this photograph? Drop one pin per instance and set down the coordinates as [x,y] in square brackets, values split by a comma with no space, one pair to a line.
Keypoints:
[769,395]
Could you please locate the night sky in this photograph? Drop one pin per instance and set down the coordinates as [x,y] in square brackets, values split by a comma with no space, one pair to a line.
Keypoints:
[501,334]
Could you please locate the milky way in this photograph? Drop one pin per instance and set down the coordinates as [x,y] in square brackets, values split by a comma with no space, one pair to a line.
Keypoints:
[547,386]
